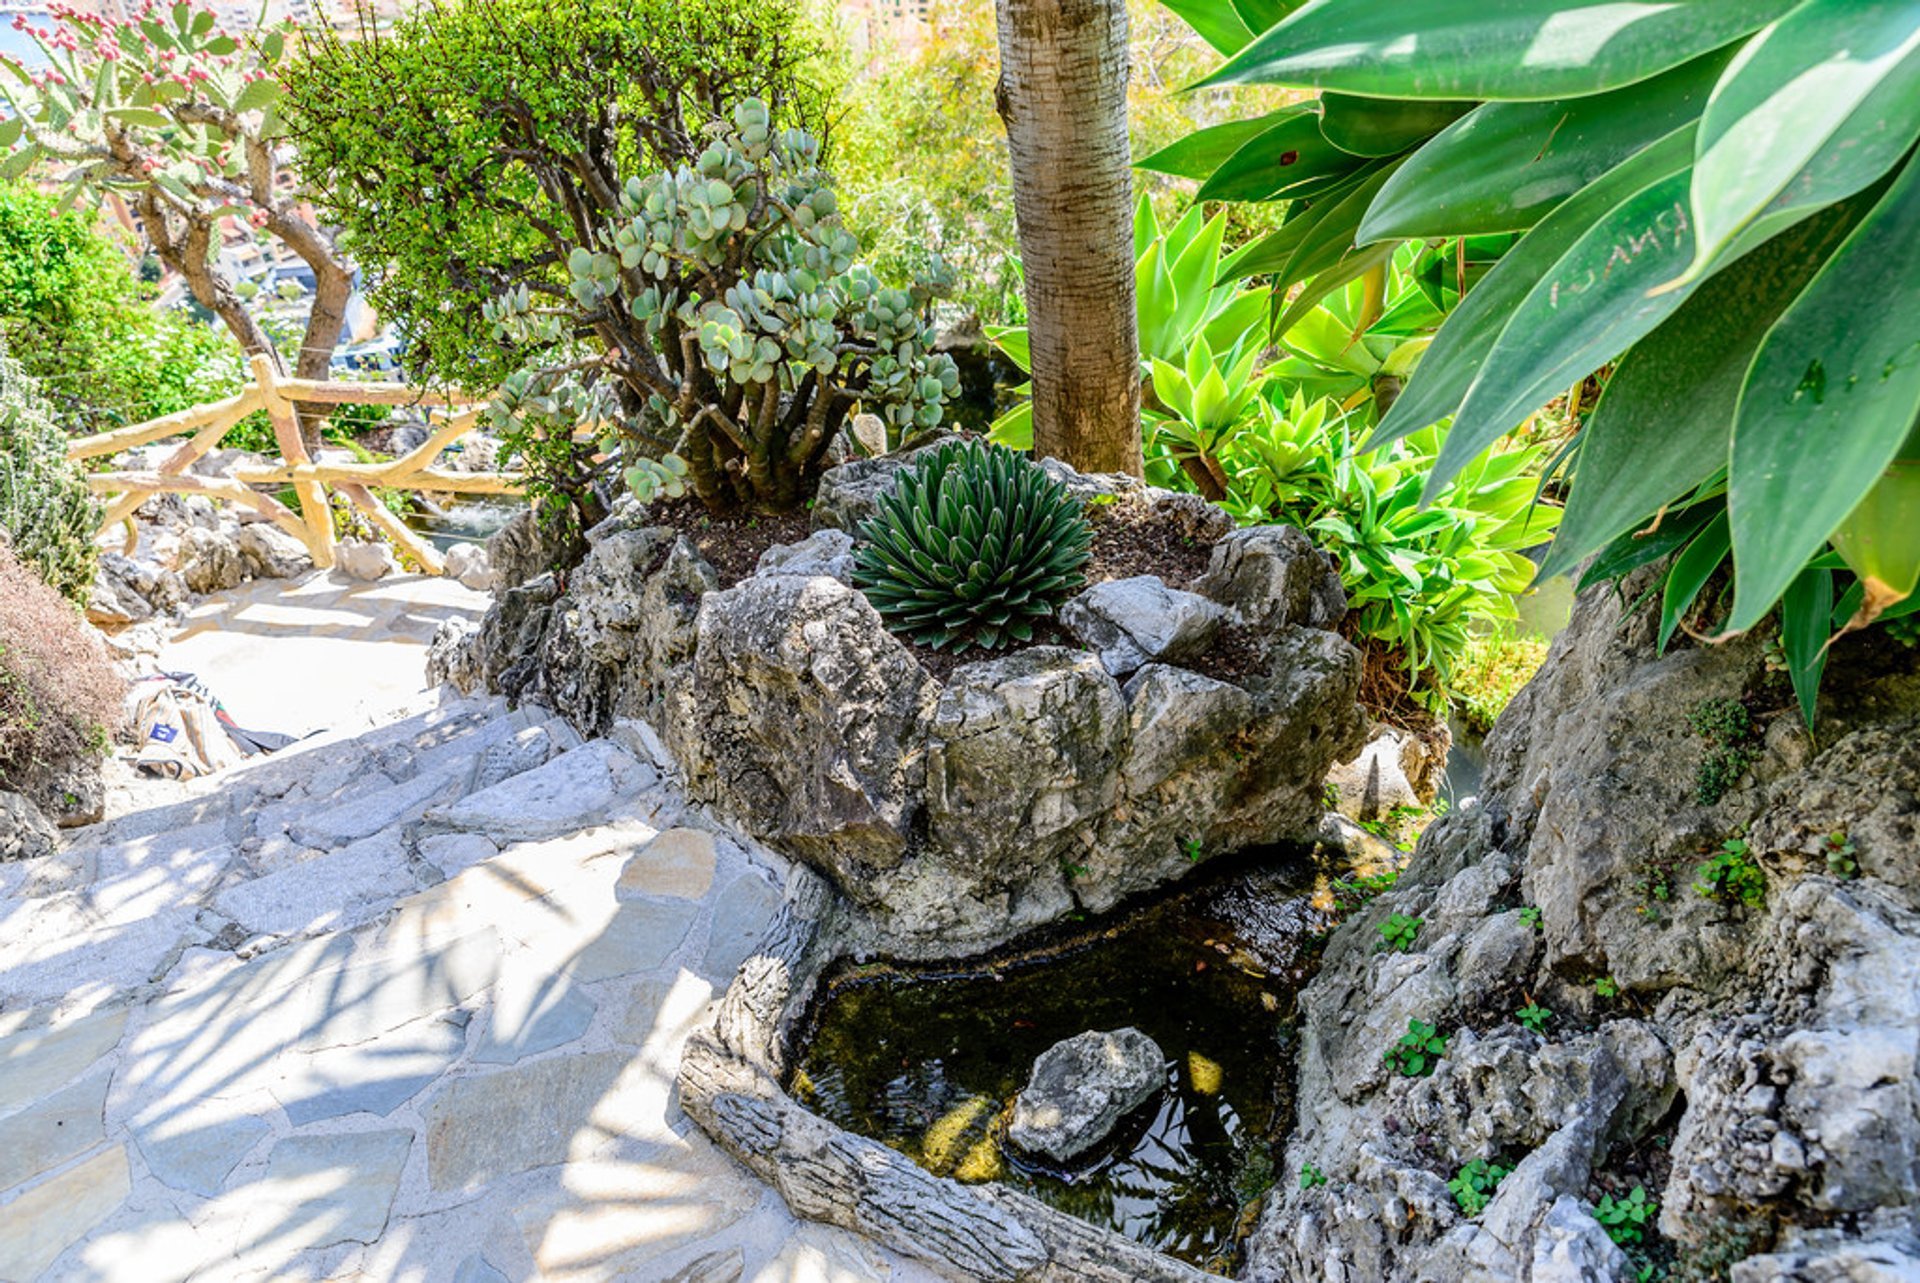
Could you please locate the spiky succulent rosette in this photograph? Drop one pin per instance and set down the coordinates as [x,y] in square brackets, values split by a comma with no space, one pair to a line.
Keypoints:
[972,546]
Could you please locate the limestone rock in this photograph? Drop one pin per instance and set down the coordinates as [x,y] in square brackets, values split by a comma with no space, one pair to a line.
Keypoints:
[126,591]
[804,717]
[210,560]
[1130,622]
[364,560]
[1274,575]
[1081,1088]
[272,553]
[1396,769]
[25,834]
[523,549]
[468,563]
[73,792]
[824,552]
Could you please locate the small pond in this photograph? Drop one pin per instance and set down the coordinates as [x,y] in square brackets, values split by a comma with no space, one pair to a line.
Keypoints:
[462,520]
[928,1060]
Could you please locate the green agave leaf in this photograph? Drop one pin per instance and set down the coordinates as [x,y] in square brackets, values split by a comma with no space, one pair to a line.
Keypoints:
[1356,264]
[1383,126]
[1331,237]
[1633,550]
[1832,394]
[1205,150]
[1477,49]
[1272,252]
[1814,108]
[1504,165]
[1689,574]
[1280,159]
[1217,22]
[1459,350]
[1664,421]
[1803,634]
[1589,306]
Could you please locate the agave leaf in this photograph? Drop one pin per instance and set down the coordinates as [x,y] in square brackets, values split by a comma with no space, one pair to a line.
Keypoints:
[1201,152]
[1691,570]
[1282,158]
[1816,107]
[1835,383]
[1383,126]
[1804,611]
[1465,49]
[1505,165]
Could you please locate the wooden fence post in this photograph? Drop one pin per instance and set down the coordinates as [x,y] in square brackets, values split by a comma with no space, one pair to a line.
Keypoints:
[314,509]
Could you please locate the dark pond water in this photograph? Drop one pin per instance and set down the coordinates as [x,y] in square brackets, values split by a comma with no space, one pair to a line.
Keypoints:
[928,1060]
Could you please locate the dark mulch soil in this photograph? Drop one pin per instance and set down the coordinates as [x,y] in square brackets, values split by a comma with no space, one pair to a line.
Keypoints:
[732,544]
[1137,538]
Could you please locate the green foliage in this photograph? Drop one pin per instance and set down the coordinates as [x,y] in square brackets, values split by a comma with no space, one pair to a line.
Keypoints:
[971,546]
[81,322]
[59,692]
[1533,1016]
[1837,847]
[1626,1219]
[1497,662]
[47,514]
[1418,1051]
[1606,987]
[1530,916]
[1732,874]
[1727,728]
[736,330]
[465,149]
[1398,933]
[1711,192]
[1190,847]
[1473,1185]
[1311,1177]
[1353,893]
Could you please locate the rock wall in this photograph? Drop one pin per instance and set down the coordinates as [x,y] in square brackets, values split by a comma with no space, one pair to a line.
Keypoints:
[1753,1066]
[959,813]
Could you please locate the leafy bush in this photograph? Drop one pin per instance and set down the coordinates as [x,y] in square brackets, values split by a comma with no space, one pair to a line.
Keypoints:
[1496,663]
[47,514]
[971,547]
[79,320]
[59,693]
[1473,1185]
[1711,191]
[1733,874]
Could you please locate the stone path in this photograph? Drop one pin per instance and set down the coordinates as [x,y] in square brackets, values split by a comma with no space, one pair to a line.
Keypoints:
[401,1006]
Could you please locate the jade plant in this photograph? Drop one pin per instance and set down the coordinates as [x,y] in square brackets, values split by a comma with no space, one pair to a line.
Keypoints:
[719,320]
[973,545]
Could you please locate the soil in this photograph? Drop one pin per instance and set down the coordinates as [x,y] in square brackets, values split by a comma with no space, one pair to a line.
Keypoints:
[732,544]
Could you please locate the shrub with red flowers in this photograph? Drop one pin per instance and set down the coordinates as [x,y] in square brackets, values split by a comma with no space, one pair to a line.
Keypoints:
[180,119]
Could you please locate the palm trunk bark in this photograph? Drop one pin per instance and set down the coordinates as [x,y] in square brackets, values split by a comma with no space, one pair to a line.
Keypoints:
[1063,96]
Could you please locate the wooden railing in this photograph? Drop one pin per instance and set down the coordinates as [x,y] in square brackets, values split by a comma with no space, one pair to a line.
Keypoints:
[448,420]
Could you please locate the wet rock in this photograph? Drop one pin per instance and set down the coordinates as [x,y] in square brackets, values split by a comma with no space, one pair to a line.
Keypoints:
[364,560]
[210,560]
[1081,1088]
[25,834]
[1131,622]
[272,553]
[468,563]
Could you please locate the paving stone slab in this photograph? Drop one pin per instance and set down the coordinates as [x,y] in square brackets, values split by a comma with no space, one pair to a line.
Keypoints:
[741,913]
[452,853]
[79,968]
[53,1130]
[382,809]
[330,892]
[37,1062]
[137,878]
[533,1014]
[53,1215]
[374,1077]
[513,1120]
[194,1147]
[641,936]
[678,863]
[576,790]
[321,1190]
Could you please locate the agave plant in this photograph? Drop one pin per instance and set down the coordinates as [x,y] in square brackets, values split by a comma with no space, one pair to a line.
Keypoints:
[1718,195]
[971,547]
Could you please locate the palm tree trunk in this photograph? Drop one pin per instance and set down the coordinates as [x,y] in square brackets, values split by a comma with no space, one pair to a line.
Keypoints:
[1063,96]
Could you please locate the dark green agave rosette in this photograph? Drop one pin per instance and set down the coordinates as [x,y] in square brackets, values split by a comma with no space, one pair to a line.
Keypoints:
[972,546]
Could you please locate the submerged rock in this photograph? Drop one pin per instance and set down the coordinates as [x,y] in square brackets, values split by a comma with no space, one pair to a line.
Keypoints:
[1081,1088]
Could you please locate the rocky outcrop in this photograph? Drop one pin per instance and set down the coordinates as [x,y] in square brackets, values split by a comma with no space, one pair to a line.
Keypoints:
[955,814]
[1080,1089]
[1749,1065]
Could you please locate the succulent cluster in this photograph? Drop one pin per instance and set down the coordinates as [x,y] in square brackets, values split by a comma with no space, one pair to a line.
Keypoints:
[748,330]
[47,514]
[972,546]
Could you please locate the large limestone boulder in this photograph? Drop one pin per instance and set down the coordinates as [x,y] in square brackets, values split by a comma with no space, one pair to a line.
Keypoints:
[272,553]
[210,560]
[127,591]
[1766,1052]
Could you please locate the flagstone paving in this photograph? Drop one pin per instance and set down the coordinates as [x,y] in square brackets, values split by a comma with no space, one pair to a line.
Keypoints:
[406,1005]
